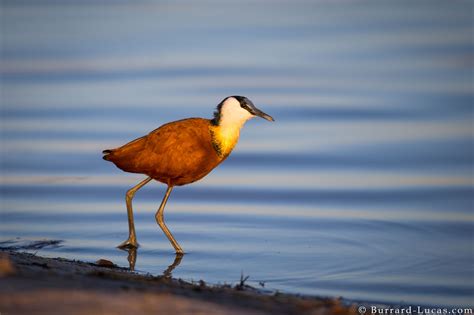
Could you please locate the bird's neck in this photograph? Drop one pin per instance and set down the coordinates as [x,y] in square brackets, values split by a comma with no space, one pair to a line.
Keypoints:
[225,136]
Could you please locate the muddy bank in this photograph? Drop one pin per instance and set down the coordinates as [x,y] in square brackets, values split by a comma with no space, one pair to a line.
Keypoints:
[36,285]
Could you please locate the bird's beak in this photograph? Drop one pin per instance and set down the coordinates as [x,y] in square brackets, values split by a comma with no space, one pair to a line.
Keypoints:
[259,113]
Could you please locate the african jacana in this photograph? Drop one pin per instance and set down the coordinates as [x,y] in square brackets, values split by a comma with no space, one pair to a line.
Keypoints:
[182,152]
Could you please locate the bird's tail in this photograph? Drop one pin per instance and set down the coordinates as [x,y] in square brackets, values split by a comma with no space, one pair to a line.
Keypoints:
[107,154]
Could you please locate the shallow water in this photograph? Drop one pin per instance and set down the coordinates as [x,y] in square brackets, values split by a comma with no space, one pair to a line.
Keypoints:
[362,188]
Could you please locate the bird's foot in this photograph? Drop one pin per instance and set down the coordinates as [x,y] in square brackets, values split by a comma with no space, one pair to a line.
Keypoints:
[130,243]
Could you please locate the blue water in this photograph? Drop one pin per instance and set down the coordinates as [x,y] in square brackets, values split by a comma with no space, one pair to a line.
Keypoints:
[362,188]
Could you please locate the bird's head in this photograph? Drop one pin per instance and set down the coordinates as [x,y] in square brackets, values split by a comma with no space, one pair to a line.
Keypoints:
[236,110]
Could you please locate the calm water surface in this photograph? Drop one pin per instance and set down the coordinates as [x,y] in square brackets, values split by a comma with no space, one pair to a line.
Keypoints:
[362,188]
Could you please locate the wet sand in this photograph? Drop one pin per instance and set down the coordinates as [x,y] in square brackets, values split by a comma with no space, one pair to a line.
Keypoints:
[36,285]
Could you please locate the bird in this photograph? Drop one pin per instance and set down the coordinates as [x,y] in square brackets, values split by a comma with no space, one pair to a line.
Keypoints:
[180,153]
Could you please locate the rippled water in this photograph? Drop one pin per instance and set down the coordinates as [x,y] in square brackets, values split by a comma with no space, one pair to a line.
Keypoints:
[362,188]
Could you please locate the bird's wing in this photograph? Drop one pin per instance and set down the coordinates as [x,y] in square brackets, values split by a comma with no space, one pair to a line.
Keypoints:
[177,149]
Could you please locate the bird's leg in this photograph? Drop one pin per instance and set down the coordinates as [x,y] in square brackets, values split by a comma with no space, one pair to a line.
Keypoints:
[132,239]
[161,222]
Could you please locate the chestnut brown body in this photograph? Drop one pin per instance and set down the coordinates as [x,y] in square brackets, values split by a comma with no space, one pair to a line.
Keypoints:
[177,153]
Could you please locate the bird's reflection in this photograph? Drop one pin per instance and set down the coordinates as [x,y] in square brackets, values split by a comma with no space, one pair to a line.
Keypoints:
[132,259]
[176,262]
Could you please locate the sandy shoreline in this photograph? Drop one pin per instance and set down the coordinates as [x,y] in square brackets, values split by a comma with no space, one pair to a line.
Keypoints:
[36,285]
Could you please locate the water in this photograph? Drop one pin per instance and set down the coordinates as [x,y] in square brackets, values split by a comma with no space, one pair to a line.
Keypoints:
[362,188]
